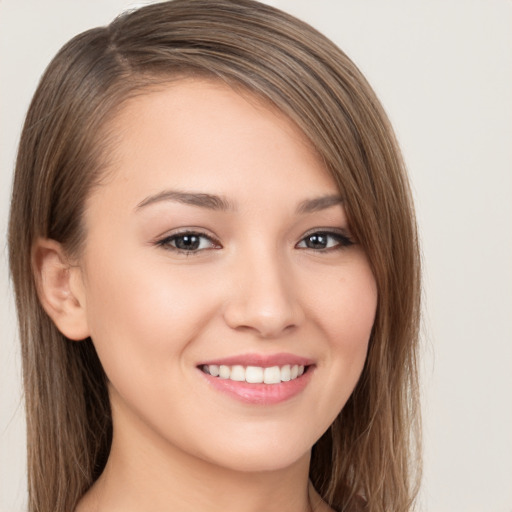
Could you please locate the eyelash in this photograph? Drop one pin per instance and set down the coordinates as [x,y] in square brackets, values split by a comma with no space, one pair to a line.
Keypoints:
[341,241]
[167,242]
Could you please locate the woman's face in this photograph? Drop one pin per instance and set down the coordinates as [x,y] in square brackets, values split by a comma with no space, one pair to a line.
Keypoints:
[218,243]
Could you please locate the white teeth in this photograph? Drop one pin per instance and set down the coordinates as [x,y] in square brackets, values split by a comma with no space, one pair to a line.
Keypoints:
[237,373]
[224,371]
[285,373]
[272,375]
[255,374]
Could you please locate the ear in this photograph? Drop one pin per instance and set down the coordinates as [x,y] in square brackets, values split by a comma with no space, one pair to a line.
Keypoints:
[60,288]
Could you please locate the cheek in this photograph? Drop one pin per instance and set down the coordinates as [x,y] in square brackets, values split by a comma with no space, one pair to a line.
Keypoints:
[359,314]
[358,319]
[346,306]
[347,313]
[139,316]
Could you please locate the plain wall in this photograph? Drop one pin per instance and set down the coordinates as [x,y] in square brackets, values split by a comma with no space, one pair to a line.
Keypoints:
[442,69]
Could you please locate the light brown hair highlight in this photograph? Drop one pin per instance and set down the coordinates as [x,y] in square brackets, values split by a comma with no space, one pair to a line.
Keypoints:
[370,456]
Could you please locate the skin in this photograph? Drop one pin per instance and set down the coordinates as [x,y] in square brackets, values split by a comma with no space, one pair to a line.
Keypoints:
[253,286]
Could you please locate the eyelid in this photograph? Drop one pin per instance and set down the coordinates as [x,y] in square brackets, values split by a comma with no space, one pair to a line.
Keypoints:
[164,240]
[344,237]
[328,231]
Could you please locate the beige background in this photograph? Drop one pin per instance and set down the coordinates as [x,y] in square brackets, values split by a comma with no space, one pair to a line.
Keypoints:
[442,68]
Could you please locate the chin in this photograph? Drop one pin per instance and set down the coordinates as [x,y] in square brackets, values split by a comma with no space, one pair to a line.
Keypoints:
[267,452]
[263,461]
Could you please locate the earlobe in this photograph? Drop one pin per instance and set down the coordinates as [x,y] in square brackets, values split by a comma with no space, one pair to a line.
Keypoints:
[60,289]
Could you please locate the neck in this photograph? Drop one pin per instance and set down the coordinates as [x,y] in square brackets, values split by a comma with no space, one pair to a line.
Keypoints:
[145,473]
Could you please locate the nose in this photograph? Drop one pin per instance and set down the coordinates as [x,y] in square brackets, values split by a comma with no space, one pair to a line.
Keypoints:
[263,298]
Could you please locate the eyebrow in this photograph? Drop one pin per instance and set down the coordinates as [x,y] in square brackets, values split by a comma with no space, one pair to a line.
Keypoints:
[319,203]
[219,203]
[202,200]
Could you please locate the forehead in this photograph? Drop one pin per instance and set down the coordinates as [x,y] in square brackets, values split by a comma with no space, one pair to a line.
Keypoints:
[203,135]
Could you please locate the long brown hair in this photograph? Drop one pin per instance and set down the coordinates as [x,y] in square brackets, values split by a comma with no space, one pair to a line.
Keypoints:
[370,454]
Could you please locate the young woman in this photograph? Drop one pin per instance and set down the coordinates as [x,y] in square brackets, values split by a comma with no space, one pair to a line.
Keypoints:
[215,262]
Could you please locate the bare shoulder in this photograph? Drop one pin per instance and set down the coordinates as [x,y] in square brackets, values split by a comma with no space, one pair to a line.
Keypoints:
[89,502]
[317,503]
[323,507]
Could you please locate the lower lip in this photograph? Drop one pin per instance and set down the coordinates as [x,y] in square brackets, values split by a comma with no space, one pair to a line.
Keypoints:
[261,394]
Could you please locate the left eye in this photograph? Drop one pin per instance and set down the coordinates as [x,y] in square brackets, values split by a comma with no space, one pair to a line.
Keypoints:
[322,240]
[188,242]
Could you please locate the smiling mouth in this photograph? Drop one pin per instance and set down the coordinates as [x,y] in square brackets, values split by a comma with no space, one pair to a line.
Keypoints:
[255,374]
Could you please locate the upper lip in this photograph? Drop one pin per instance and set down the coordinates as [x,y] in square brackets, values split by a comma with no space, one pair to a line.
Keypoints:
[263,360]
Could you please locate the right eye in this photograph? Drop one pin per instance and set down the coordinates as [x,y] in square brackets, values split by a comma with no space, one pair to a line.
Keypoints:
[325,241]
[188,242]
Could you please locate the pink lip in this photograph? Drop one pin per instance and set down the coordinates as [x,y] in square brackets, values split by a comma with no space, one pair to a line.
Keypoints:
[263,360]
[260,394]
